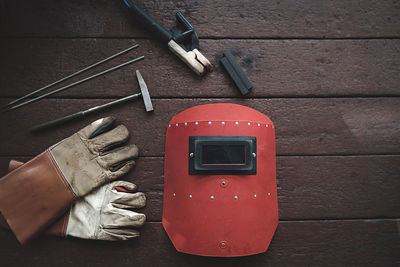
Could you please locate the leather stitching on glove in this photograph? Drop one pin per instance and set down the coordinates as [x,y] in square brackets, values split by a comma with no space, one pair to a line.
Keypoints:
[61,175]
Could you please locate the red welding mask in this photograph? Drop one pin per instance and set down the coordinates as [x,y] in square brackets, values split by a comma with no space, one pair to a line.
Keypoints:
[220,196]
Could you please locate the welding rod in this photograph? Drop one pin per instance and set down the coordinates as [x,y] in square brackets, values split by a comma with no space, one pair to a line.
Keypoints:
[81,114]
[144,92]
[75,83]
[72,75]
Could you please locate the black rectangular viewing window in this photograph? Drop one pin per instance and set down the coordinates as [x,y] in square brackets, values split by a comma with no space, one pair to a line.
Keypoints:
[222,155]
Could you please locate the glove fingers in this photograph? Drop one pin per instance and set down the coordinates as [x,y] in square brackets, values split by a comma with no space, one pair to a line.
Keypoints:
[118,135]
[116,234]
[122,186]
[117,156]
[121,171]
[129,200]
[97,127]
[120,218]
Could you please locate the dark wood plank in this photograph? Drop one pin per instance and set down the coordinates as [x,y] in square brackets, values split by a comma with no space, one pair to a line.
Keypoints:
[338,187]
[322,126]
[223,18]
[308,187]
[309,243]
[277,68]
[338,158]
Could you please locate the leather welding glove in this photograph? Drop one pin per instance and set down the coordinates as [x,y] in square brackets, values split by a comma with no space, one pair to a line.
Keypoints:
[103,214]
[36,194]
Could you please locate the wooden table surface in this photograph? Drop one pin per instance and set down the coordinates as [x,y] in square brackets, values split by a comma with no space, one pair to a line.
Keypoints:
[325,72]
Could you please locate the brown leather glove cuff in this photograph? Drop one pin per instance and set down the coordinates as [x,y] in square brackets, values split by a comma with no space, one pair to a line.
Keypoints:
[59,228]
[33,196]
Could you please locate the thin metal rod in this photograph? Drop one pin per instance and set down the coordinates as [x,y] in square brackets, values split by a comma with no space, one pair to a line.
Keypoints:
[81,114]
[110,104]
[75,83]
[72,75]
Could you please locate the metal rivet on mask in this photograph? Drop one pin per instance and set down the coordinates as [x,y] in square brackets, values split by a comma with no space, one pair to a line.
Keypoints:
[176,125]
[236,123]
[191,155]
[209,122]
[196,123]
[212,197]
[169,125]
[173,194]
[266,125]
[222,244]
[248,123]
[236,197]
[185,123]
[223,123]
[269,194]
[255,195]
[254,155]
[258,125]
[190,196]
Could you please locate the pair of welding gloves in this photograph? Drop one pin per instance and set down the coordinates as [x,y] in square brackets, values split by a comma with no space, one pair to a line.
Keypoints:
[68,190]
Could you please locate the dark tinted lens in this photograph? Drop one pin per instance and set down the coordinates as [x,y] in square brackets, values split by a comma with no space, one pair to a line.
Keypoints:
[224,154]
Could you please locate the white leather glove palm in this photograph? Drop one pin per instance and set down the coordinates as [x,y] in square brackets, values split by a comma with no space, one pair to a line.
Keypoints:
[105,213]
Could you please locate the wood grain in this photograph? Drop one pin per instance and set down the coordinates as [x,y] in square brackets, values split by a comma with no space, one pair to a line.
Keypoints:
[317,126]
[215,19]
[308,187]
[317,243]
[325,72]
[277,68]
